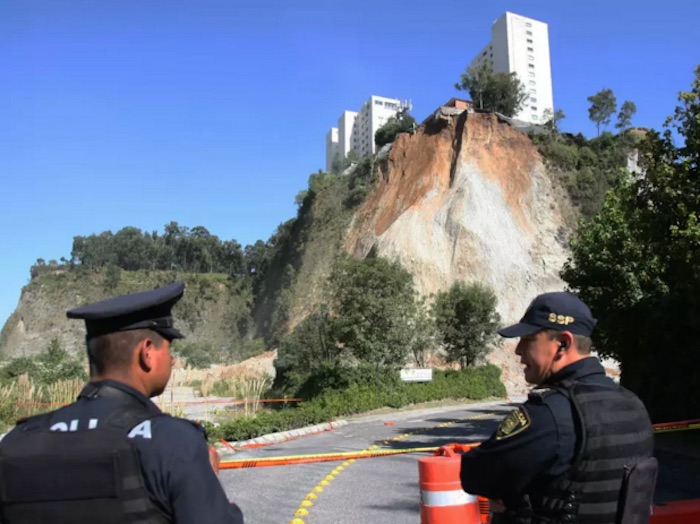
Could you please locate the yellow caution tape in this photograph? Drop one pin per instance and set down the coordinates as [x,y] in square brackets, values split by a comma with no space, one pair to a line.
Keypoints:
[347,456]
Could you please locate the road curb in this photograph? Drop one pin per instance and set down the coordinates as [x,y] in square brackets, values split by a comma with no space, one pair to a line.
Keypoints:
[281,436]
[232,447]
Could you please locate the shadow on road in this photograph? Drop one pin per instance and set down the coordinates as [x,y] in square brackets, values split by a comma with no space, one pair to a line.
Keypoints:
[412,508]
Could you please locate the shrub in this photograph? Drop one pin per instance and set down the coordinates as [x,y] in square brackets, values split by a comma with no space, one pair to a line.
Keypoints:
[362,395]
[49,366]
[562,156]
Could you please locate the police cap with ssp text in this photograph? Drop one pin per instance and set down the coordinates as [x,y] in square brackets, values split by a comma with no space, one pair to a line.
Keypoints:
[559,310]
[145,310]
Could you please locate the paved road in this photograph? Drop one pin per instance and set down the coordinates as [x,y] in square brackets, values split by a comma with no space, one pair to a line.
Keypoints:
[371,491]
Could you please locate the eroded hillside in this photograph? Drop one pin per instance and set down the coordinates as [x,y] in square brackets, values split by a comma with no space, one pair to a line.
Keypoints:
[468,198]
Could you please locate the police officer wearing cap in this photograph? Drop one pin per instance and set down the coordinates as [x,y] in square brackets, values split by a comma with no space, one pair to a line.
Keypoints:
[578,450]
[112,457]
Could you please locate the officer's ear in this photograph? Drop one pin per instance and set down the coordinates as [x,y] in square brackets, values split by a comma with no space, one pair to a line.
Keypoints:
[145,349]
[566,340]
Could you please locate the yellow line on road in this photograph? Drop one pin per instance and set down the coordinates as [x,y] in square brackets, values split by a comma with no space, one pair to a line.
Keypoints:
[306,505]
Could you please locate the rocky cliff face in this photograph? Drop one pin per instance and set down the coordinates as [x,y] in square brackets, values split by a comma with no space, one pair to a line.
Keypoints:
[467,198]
[207,313]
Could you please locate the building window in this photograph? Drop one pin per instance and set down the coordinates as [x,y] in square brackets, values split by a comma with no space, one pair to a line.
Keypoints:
[531,75]
[530,49]
[534,117]
[378,103]
[531,66]
[529,33]
[533,91]
[529,41]
[534,108]
[528,24]
[532,82]
[533,99]
[530,57]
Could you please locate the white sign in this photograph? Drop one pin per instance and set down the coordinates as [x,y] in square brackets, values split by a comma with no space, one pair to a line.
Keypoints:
[416,375]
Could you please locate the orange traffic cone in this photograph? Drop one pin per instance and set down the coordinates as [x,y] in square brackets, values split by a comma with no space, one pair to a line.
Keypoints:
[442,499]
[679,512]
[484,509]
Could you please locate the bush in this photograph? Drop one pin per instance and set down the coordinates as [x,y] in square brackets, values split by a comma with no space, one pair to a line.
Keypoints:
[563,156]
[401,123]
[50,366]
[362,395]
[589,168]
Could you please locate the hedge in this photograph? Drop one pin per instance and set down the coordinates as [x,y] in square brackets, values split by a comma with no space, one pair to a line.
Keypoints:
[472,383]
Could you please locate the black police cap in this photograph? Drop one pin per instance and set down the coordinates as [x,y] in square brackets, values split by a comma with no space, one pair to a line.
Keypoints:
[560,310]
[146,310]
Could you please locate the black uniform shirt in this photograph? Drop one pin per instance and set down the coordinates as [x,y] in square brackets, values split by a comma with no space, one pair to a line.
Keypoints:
[174,459]
[534,444]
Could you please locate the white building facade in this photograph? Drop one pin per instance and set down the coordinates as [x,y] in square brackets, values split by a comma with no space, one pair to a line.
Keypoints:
[355,131]
[520,45]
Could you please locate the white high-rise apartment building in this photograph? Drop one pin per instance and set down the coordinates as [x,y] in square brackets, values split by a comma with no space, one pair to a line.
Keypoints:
[356,130]
[520,45]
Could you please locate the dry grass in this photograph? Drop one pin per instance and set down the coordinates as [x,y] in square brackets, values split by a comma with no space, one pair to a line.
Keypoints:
[25,398]
[245,381]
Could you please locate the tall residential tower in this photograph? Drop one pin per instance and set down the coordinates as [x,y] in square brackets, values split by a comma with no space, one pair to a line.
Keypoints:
[355,131]
[520,45]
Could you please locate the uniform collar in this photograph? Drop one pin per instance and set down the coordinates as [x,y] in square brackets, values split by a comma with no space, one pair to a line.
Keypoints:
[577,370]
[121,386]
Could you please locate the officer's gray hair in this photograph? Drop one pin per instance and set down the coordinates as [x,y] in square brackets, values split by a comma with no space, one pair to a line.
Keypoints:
[583,343]
[115,350]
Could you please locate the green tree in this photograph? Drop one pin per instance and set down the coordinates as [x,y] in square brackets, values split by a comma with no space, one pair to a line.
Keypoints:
[402,122]
[338,164]
[552,118]
[112,277]
[373,303]
[500,92]
[52,364]
[637,264]
[300,197]
[466,321]
[423,336]
[624,117]
[305,350]
[603,106]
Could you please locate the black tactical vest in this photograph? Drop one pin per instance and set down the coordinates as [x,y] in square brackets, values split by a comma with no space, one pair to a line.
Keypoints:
[77,477]
[615,434]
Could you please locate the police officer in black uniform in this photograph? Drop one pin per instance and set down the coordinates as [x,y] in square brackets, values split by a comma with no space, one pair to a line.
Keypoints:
[578,450]
[113,457]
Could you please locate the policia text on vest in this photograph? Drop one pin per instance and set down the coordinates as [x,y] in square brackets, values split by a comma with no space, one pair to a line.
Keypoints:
[112,457]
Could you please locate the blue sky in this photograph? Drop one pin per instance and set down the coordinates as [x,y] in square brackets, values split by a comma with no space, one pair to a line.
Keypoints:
[214,112]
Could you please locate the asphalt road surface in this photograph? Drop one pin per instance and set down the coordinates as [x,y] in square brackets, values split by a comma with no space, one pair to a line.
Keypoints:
[371,490]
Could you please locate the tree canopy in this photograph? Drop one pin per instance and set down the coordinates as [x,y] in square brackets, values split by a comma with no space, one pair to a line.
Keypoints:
[178,247]
[624,117]
[402,122]
[637,264]
[373,302]
[603,106]
[466,321]
[491,91]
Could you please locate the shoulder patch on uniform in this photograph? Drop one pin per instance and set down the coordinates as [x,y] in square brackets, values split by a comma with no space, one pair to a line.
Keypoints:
[517,421]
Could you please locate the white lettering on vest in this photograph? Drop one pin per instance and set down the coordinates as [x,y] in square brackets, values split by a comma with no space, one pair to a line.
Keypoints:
[92,424]
[74,425]
[142,430]
[59,426]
